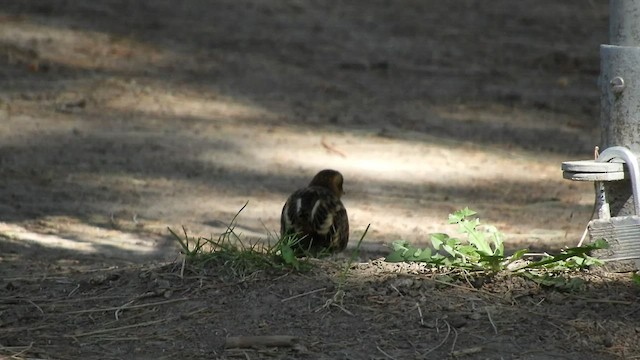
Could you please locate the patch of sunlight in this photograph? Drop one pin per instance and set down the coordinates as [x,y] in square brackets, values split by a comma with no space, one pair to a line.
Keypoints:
[386,178]
[33,43]
[163,102]
[397,160]
[16,129]
[85,239]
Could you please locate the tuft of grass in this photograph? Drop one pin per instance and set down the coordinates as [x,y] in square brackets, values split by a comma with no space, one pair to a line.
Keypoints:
[338,297]
[481,249]
[237,256]
[354,255]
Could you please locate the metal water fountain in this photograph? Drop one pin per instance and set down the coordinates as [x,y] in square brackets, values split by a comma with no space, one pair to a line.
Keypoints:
[615,170]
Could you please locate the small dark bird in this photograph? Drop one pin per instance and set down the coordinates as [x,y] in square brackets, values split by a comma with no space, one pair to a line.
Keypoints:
[316,215]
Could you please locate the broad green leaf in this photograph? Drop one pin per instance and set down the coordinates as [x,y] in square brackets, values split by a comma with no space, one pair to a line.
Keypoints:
[438,239]
[400,245]
[395,256]
[449,250]
[289,256]
[518,254]
[459,215]
[425,255]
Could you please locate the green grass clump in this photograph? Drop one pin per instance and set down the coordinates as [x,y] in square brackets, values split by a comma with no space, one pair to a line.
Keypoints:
[238,257]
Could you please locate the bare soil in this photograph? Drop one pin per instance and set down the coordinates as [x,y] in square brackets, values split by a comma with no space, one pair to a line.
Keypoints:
[122,118]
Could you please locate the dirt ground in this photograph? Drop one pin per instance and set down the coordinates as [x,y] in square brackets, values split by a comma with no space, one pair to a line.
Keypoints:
[122,118]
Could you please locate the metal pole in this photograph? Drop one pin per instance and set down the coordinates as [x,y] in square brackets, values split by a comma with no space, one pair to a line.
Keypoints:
[624,24]
[620,93]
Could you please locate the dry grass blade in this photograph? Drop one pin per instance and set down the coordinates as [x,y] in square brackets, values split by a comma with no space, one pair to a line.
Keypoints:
[424,355]
[303,294]
[495,329]
[385,354]
[468,288]
[330,148]
[104,331]
[260,341]
[455,339]
[420,313]
[125,306]
[468,351]
[21,350]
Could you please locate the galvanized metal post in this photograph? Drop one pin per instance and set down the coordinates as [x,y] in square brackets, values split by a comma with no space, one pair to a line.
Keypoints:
[620,93]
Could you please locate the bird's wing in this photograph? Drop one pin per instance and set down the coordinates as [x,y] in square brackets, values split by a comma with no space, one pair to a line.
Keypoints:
[311,210]
[340,230]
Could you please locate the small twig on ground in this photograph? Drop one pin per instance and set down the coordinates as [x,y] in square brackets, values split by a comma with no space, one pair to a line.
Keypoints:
[455,340]
[468,351]
[384,353]
[74,290]
[495,329]
[341,307]
[260,341]
[17,355]
[396,289]
[336,301]
[424,356]
[559,328]
[36,305]
[605,301]
[303,294]
[184,263]
[468,288]
[420,312]
[127,307]
[122,307]
[102,331]
[330,148]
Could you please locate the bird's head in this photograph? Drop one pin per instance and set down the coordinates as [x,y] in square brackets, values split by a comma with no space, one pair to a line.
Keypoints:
[329,179]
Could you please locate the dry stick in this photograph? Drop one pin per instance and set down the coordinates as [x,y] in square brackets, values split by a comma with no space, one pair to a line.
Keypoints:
[420,312]
[184,262]
[23,351]
[342,308]
[102,331]
[122,307]
[19,353]
[495,329]
[559,328]
[13,300]
[260,341]
[384,353]
[467,288]
[424,356]
[37,307]
[330,148]
[128,307]
[134,325]
[396,289]
[337,297]
[303,294]
[455,339]
[467,351]
[74,290]
[606,301]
